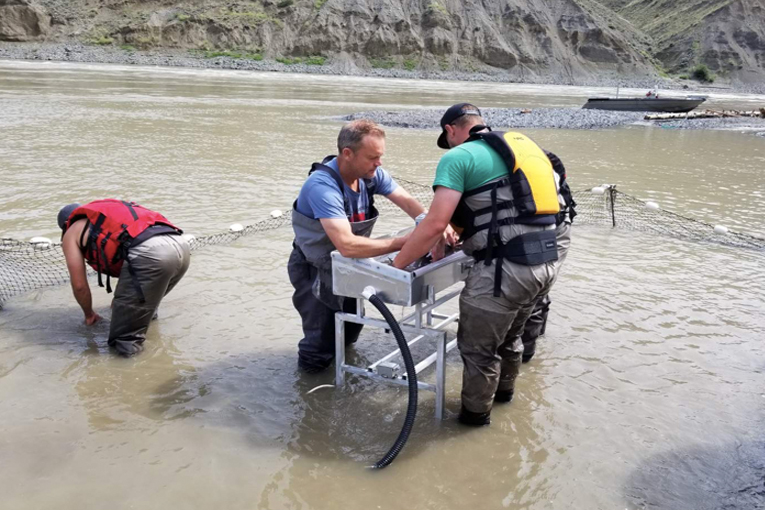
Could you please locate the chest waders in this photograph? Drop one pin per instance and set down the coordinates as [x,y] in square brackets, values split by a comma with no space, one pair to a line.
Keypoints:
[537,323]
[310,270]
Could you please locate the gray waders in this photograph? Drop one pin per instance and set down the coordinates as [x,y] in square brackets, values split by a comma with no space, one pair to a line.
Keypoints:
[537,322]
[310,272]
[158,265]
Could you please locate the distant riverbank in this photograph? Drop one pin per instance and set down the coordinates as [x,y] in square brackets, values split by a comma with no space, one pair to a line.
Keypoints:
[341,65]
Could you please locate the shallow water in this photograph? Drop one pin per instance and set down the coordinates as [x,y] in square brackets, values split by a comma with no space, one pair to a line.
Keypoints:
[646,392]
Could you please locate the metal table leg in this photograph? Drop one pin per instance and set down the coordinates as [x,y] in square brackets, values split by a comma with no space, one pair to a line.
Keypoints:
[440,376]
[339,350]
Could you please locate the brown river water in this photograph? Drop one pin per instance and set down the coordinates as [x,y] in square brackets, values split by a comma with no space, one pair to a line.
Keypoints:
[648,390]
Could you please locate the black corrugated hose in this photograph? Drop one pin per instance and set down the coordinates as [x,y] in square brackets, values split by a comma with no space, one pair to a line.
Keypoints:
[411,410]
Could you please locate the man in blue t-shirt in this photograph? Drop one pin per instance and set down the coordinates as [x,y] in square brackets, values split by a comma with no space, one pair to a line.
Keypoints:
[320,198]
[335,210]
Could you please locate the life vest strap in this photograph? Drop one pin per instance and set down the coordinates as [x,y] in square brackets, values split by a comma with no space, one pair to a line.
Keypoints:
[487,187]
[105,262]
[504,222]
[501,206]
[132,211]
[92,247]
[530,249]
[493,236]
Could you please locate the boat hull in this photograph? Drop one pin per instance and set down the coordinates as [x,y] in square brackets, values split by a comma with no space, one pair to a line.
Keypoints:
[669,105]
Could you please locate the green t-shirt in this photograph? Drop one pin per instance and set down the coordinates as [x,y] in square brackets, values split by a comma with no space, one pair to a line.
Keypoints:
[469,166]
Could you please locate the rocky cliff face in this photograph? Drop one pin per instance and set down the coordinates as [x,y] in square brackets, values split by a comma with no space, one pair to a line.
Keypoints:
[529,38]
[22,21]
[726,35]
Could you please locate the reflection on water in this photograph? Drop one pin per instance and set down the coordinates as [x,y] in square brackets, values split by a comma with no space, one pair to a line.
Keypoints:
[157,386]
[647,385]
[712,476]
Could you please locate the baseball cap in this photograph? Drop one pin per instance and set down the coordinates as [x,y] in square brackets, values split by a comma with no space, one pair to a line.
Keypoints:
[64,213]
[453,113]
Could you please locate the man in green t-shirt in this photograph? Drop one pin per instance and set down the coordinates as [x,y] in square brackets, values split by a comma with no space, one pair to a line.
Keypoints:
[492,315]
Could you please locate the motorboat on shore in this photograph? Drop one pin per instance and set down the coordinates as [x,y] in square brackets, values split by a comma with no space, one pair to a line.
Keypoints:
[650,103]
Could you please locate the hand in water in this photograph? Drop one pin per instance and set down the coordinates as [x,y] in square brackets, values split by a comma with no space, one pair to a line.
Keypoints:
[92,319]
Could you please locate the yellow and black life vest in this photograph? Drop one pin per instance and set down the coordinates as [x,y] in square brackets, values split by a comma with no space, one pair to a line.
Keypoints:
[528,195]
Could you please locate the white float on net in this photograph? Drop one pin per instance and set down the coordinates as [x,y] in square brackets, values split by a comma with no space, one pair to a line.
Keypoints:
[276,213]
[236,227]
[652,206]
[41,242]
[598,190]
[720,229]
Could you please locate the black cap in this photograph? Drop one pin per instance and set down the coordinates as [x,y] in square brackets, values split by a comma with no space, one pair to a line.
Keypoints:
[453,113]
[65,213]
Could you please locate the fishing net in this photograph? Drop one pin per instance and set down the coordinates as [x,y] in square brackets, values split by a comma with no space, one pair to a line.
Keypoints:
[26,266]
[607,206]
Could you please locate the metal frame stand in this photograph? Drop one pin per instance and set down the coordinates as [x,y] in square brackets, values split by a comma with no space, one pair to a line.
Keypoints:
[417,325]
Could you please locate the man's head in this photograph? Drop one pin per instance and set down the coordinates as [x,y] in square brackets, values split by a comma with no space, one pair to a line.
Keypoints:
[361,145]
[64,213]
[456,124]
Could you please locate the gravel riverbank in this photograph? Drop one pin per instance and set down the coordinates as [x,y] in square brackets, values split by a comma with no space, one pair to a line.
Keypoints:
[553,118]
[750,124]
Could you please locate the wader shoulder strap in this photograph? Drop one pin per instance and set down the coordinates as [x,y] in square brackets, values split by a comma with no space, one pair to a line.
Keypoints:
[340,184]
[370,185]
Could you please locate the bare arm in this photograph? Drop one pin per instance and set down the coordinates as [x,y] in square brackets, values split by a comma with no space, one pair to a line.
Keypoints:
[357,247]
[431,229]
[75,263]
[406,202]
[414,208]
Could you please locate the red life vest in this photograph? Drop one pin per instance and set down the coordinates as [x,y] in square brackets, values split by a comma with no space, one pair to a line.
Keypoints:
[114,227]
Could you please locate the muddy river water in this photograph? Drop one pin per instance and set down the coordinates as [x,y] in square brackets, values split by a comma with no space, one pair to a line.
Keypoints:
[648,390]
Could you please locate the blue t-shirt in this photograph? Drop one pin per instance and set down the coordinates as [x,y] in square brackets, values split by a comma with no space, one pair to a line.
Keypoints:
[320,196]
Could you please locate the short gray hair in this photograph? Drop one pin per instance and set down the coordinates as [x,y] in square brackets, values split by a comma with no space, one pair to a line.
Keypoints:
[354,132]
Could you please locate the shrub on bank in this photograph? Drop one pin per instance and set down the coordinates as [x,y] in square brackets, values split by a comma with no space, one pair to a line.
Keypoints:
[702,73]
[101,40]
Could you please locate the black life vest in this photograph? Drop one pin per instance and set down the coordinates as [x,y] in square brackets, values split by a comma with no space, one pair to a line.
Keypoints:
[530,197]
[569,209]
